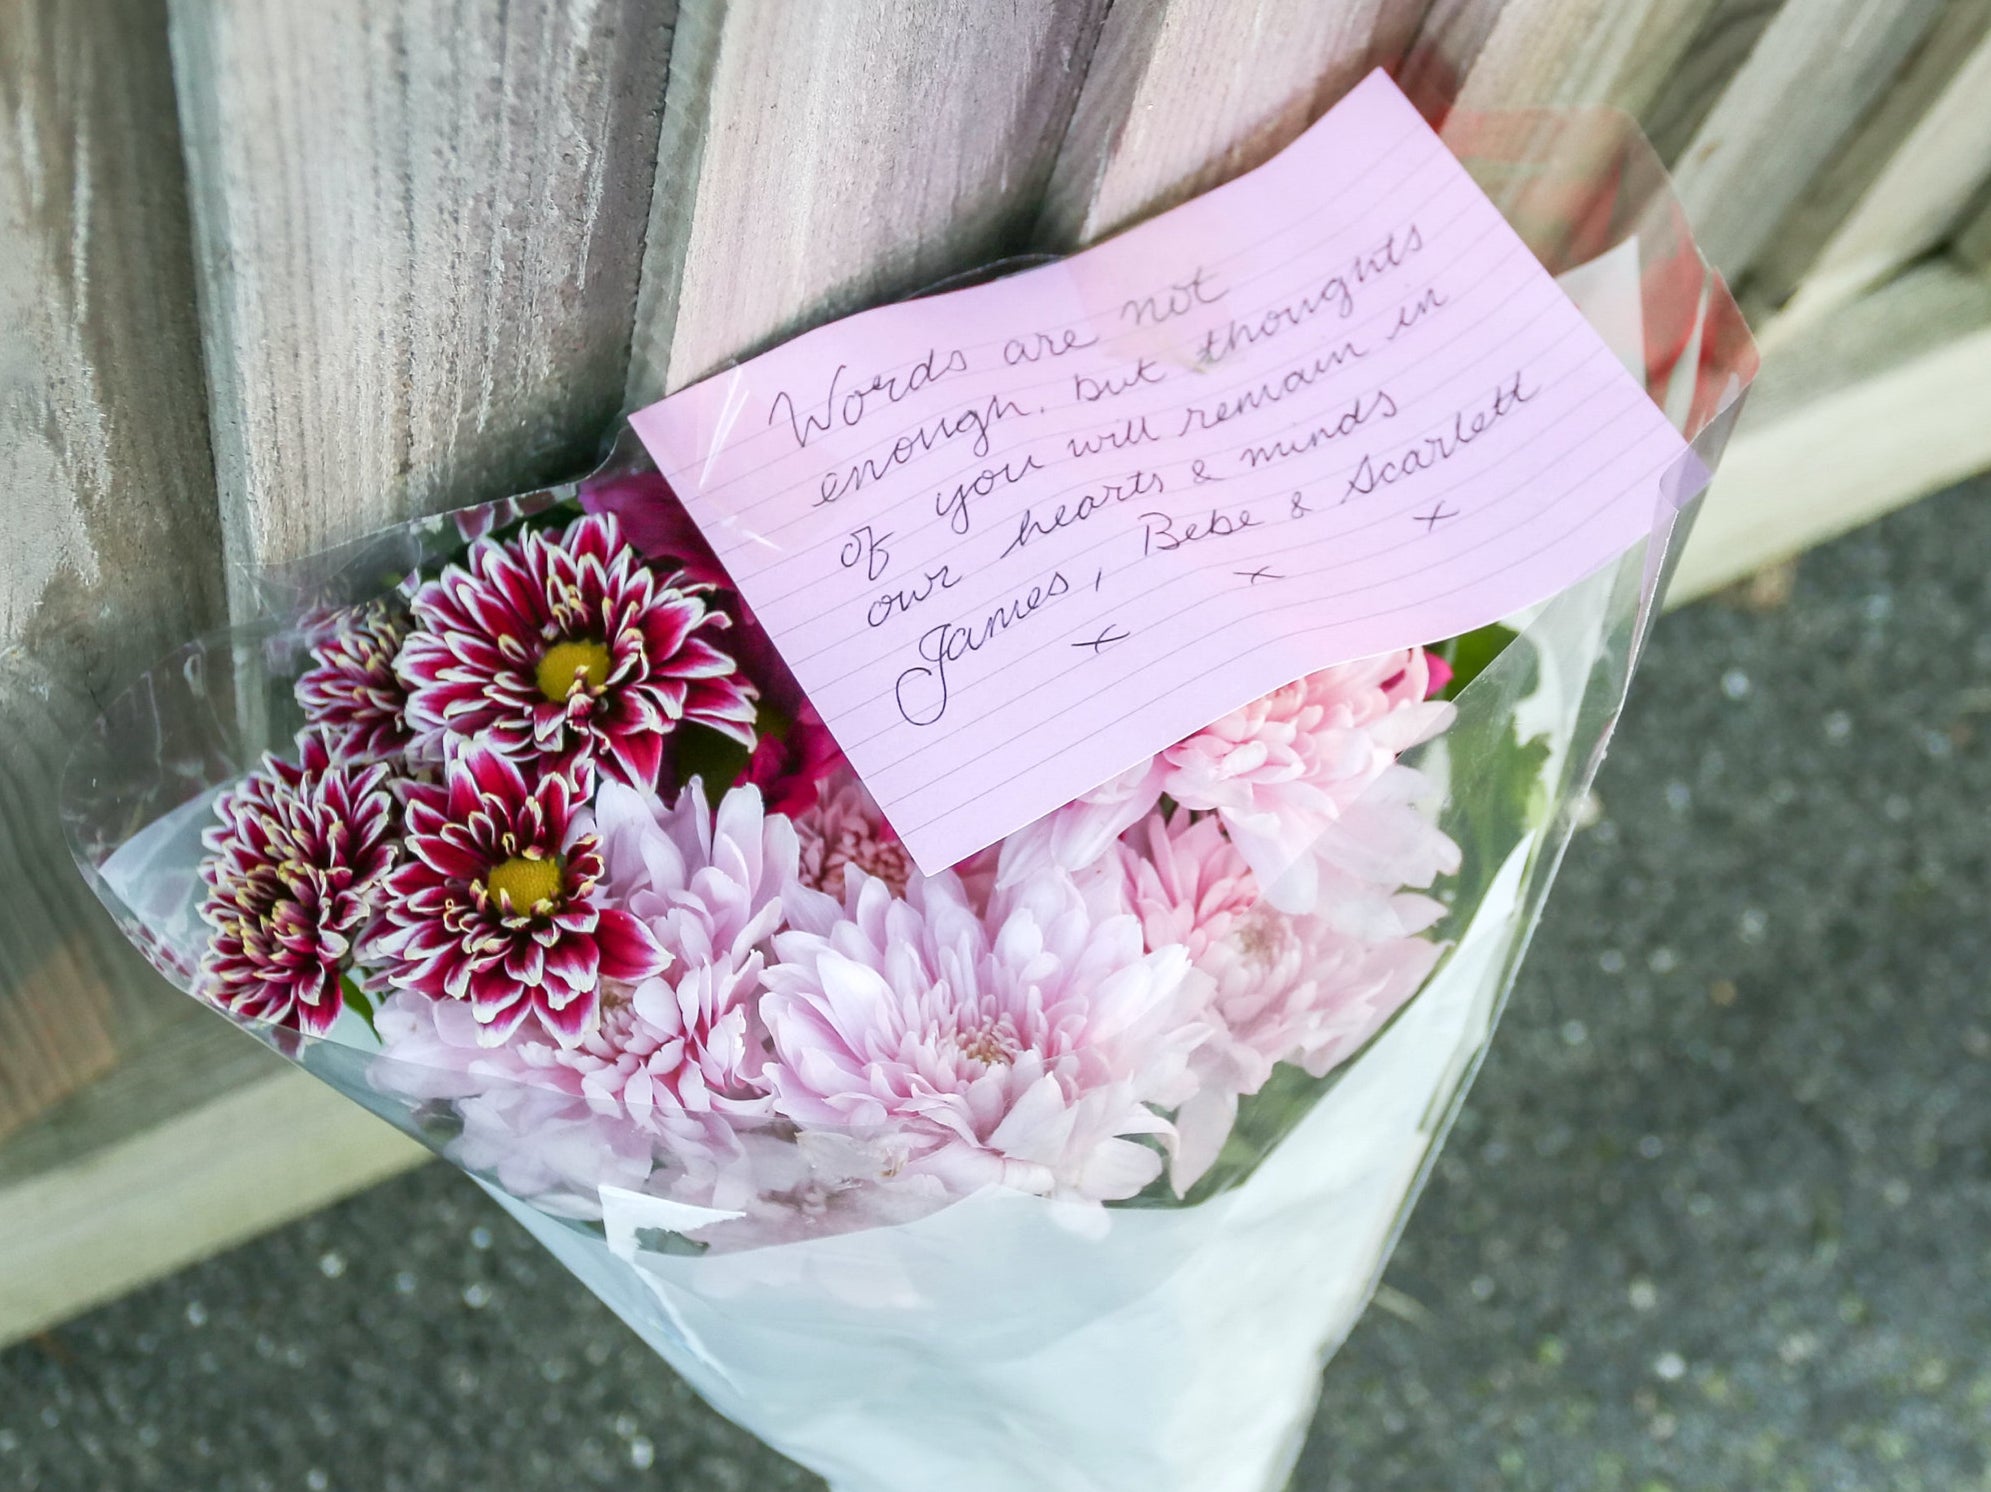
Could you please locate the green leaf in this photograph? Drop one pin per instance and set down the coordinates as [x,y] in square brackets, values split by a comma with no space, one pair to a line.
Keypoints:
[1470,654]
[1496,796]
[701,752]
[356,999]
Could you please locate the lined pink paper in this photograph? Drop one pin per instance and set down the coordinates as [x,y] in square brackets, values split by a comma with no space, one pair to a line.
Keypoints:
[1016,538]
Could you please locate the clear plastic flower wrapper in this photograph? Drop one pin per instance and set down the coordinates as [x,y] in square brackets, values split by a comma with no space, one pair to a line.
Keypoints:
[1060,1169]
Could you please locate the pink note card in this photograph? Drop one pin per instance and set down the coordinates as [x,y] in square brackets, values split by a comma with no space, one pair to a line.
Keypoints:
[1016,538]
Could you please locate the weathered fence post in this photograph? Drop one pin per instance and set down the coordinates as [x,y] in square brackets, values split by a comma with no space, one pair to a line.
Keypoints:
[110,551]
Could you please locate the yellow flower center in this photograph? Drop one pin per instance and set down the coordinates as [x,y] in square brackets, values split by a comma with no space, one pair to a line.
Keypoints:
[985,1046]
[527,880]
[575,661]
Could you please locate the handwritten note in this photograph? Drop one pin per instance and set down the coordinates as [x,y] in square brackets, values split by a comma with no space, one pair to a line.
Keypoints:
[1015,538]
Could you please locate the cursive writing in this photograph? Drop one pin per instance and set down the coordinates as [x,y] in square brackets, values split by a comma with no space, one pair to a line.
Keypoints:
[1133,432]
[1162,534]
[849,406]
[923,691]
[906,597]
[1293,381]
[1090,388]
[1378,406]
[1179,298]
[976,420]
[1106,495]
[953,506]
[866,546]
[1467,426]
[1335,294]
[1040,345]
[1411,312]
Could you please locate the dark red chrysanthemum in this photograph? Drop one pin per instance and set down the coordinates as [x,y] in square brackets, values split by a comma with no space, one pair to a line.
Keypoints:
[794,751]
[649,515]
[293,870]
[564,652]
[496,902]
[351,693]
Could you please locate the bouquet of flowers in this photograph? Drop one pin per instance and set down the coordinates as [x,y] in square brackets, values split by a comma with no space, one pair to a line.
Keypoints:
[558,823]
[1059,1168]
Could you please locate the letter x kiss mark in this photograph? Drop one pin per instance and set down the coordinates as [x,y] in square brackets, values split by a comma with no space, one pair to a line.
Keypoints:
[1106,638]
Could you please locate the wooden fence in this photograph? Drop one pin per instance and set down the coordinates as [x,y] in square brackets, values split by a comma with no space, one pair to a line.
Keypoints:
[273,274]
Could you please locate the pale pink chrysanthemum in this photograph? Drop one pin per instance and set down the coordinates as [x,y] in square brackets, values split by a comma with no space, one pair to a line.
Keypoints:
[845,826]
[1311,989]
[498,902]
[783,1187]
[1292,988]
[1307,989]
[1080,833]
[669,1074]
[1024,1053]
[554,1124]
[524,1117]
[564,652]
[351,693]
[293,871]
[978,875]
[551,1149]
[708,881]
[1183,879]
[1286,769]
[711,886]
[1280,771]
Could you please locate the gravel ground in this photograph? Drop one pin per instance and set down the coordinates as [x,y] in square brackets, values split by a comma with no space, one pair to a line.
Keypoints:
[1718,1214]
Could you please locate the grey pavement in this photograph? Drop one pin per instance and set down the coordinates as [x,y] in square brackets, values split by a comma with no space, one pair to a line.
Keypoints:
[1718,1214]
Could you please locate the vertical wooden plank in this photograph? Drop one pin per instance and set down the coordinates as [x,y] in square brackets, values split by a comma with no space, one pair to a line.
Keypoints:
[1903,182]
[1816,69]
[418,228]
[1184,94]
[111,552]
[1973,237]
[818,158]
[1728,33]
[1503,54]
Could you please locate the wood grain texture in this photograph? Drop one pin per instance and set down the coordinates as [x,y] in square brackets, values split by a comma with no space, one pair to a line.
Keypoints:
[1855,416]
[1727,34]
[197,1181]
[1901,184]
[1504,54]
[111,553]
[418,228]
[817,159]
[1973,234]
[1184,94]
[192,1057]
[1813,73]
